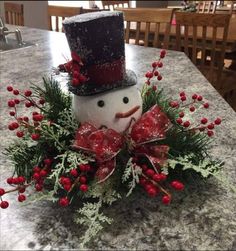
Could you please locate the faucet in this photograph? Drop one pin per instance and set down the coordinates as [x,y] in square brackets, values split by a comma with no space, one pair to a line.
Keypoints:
[4,32]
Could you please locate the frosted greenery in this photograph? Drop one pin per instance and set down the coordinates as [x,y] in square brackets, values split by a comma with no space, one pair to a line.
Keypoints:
[132,171]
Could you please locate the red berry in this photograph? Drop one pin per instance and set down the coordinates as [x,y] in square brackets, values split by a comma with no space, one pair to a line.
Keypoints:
[2,191]
[11,103]
[181,114]
[65,181]
[157,177]
[4,204]
[15,125]
[41,101]
[84,167]
[182,94]
[159,77]
[76,74]
[160,64]
[192,109]
[21,190]
[38,187]
[28,93]
[21,179]
[26,119]
[206,105]
[48,161]
[36,176]
[210,133]
[35,136]
[21,198]
[64,202]
[154,88]
[154,64]
[156,73]
[28,104]
[194,96]
[16,92]
[152,192]
[218,121]
[82,78]
[10,180]
[177,185]
[19,134]
[12,113]
[83,188]
[186,124]
[17,101]
[166,199]
[10,88]
[163,176]
[174,104]
[162,53]
[10,127]
[211,126]
[43,173]
[82,179]
[183,98]
[150,172]
[67,187]
[204,120]
[36,169]
[199,98]
[74,172]
[179,121]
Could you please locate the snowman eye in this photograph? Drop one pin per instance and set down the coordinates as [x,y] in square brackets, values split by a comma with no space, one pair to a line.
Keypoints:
[126,100]
[100,103]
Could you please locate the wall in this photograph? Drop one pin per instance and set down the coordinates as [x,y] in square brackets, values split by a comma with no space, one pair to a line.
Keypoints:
[35,13]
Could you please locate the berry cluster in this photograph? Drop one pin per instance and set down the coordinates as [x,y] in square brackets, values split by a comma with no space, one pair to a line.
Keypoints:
[154,72]
[156,183]
[20,183]
[24,125]
[77,178]
[187,105]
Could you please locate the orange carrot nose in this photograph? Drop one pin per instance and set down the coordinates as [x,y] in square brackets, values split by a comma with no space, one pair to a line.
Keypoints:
[127,114]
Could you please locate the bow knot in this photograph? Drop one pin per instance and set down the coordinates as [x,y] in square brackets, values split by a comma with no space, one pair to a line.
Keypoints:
[105,144]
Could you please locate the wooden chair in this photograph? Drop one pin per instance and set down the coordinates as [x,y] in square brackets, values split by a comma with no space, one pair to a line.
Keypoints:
[206,6]
[196,35]
[14,13]
[111,5]
[143,25]
[59,13]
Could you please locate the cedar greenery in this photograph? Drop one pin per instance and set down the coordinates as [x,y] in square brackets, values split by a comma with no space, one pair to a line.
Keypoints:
[188,151]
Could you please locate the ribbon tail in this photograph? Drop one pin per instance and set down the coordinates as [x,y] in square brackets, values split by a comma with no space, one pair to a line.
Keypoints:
[105,170]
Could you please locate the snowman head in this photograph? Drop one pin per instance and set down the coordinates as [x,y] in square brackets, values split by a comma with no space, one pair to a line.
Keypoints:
[114,109]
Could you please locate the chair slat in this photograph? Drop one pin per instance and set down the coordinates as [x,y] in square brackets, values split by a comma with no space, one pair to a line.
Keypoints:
[186,40]
[127,32]
[203,57]
[149,31]
[194,52]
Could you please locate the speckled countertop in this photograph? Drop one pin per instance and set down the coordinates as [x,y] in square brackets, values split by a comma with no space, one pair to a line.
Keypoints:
[201,218]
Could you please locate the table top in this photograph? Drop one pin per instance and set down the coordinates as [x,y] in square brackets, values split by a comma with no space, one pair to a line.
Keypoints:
[202,217]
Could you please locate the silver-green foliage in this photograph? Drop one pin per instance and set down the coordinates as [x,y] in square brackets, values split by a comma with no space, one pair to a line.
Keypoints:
[132,171]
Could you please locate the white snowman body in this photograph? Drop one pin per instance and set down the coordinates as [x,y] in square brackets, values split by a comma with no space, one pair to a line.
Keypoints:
[115,109]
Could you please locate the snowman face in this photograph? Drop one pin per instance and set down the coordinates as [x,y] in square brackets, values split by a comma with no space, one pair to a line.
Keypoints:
[114,109]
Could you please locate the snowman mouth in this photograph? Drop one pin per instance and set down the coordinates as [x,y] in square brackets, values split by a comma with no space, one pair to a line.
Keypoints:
[127,114]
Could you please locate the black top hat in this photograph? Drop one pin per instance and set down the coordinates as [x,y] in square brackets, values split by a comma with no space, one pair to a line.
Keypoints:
[97,39]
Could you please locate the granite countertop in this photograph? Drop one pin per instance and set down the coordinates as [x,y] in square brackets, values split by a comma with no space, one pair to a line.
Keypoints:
[200,218]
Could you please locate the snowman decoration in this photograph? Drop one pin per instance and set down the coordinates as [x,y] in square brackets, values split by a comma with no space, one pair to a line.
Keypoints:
[105,93]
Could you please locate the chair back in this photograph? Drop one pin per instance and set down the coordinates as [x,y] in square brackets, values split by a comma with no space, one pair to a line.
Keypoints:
[202,36]
[206,6]
[14,13]
[111,5]
[56,14]
[146,24]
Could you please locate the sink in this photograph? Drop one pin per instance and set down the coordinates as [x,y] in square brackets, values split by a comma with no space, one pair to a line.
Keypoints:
[12,44]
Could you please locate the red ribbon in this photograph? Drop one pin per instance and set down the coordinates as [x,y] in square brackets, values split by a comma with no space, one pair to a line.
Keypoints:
[105,144]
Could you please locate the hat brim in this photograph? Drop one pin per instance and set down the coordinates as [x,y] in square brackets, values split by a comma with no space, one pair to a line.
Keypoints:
[89,88]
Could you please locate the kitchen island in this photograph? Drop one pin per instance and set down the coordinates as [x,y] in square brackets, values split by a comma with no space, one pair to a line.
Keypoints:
[200,218]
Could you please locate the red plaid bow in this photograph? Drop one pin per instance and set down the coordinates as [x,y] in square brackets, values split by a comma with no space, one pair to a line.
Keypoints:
[106,143]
